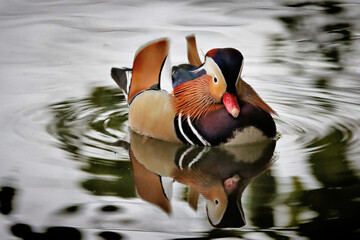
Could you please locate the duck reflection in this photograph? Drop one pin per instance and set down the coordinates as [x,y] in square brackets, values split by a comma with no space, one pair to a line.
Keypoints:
[219,174]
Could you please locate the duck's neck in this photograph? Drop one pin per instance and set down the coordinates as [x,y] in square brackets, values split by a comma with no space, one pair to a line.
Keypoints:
[193,98]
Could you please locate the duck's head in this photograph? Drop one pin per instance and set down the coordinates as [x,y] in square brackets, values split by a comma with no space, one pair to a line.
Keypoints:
[219,83]
[224,65]
[214,86]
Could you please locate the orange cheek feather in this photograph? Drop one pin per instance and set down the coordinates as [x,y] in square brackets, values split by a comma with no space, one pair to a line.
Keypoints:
[231,104]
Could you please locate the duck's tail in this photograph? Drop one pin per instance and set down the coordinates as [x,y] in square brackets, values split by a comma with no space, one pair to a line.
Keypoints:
[146,70]
[122,77]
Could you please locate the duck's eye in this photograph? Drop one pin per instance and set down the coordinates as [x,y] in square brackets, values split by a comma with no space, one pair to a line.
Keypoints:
[215,80]
[216,202]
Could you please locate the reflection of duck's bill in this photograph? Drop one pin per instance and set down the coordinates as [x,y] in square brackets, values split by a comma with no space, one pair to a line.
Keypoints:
[233,216]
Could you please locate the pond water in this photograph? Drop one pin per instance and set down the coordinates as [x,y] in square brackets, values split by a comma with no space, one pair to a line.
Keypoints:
[65,169]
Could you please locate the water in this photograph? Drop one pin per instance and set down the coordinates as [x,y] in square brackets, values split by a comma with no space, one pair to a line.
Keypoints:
[65,169]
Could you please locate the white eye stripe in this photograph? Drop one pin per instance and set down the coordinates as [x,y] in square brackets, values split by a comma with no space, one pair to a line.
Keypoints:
[213,70]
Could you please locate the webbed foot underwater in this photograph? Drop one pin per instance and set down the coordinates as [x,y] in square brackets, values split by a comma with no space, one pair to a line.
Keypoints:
[200,103]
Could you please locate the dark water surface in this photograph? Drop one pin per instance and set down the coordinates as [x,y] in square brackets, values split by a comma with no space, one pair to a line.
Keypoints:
[65,169]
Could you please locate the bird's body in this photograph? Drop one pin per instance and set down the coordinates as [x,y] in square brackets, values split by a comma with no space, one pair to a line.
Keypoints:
[204,104]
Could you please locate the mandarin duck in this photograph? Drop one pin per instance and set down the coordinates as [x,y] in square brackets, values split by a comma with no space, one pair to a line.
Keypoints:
[220,175]
[204,104]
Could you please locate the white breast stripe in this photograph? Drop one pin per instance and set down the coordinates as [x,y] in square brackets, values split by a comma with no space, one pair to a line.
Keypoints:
[198,157]
[182,131]
[197,134]
[183,155]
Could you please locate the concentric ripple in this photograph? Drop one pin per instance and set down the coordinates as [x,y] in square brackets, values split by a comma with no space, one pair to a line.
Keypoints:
[90,128]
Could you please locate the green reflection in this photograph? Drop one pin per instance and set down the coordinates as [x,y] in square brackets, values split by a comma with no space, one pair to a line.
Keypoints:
[106,98]
[328,212]
[337,202]
[329,164]
[262,193]
[294,203]
[122,185]
[335,205]
[85,127]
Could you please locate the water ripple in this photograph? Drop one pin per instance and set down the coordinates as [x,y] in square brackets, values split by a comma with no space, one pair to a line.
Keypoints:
[88,128]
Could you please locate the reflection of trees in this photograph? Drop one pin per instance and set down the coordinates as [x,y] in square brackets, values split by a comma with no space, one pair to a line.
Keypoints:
[88,124]
[316,44]
[333,208]
[335,203]
[122,185]
[326,29]
[263,191]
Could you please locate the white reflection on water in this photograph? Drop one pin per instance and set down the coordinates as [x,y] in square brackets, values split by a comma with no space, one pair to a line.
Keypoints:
[58,51]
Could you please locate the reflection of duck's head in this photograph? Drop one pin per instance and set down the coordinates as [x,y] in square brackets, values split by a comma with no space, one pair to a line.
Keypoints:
[220,175]
[216,203]
[222,205]
[210,187]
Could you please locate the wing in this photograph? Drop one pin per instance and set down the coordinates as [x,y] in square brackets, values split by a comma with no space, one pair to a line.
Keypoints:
[184,73]
[147,66]
[121,76]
